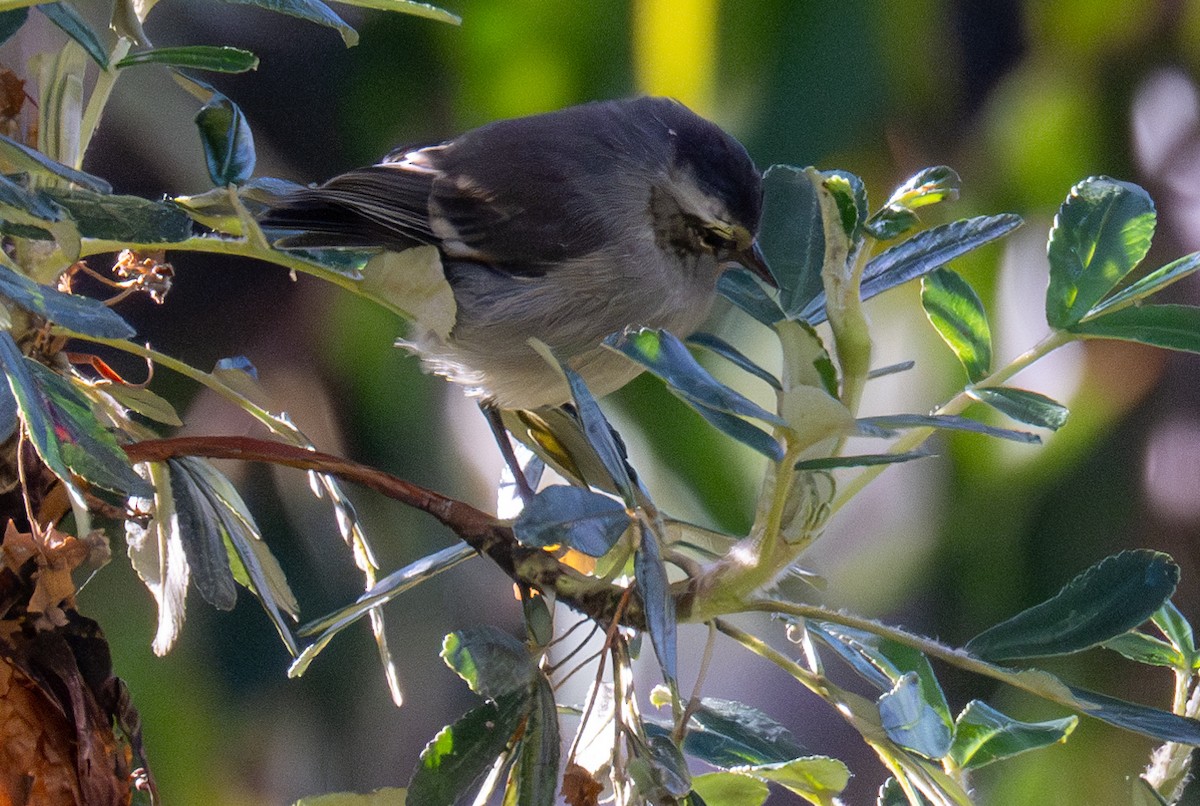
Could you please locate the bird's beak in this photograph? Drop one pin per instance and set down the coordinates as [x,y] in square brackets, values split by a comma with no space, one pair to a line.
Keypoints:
[752,258]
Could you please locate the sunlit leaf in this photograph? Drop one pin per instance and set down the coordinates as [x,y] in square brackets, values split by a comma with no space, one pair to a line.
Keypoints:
[492,662]
[1110,598]
[850,195]
[983,735]
[157,556]
[1152,283]
[572,516]
[221,59]
[818,779]
[1023,406]
[1142,648]
[75,26]
[1102,231]
[947,422]
[730,789]
[657,601]
[1177,629]
[861,460]
[930,186]
[1175,327]
[144,402]
[129,219]
[955,311]
[228,143]
[24,158]
[308,10]
[912,722]
[454,761]
[429,12]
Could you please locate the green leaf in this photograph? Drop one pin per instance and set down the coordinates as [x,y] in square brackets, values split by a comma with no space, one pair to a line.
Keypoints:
[921,254]
[144,402]
[1174,327]
[203,541]
[84,445]
[73,25]
[892,794]
[308,10]
[861,460]
[954,310]
[129,219]
[742,431]
[911,722]
[730,353]
[666,357]
[851,198]
[228,143]
[1152,283]
[726,733]
[37,207]
[817,779]
[947,422]
[1152,722]
[537,768]
[24,158]
[741,288]
[492,663]
[1101,232]
[157,556]
[791,235]
[33,408]
[10,416]
[983,735]
[1142,648]
[80,314]
[1023,406]
[454,761]
[929,186]
[11,22]
[412,7]
[573,516]
[1177,629]
[657,602]
[220,59]
[1112,597]
[730,789]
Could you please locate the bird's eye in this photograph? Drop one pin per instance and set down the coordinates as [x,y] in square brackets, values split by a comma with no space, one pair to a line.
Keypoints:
[717,241]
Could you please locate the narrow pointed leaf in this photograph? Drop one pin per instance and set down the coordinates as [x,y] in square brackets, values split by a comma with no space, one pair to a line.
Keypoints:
[308,10]
[1174,327]
[416,9]
[1023,406]
[203,541]
[946,422]
[1142,648]
[228,143]
[454,761]
[1152,283]
[599,433]
[572,516]
[24,158]
[1177,629]
[220,59]
[537,768]
[742,431]
[739,287]
[861,460]
[1152,722]
[954,310]
[657,601]
[791,235]
[911,722]
[1112,597]
[734,356]
[32,406]
[144,402]
[82,315]
[1101,232]
[157,556]
[73,25]
[10,416]
[983,735]
[492,662]
[891,369]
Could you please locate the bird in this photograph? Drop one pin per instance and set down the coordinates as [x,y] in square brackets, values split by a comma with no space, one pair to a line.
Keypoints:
[564,227]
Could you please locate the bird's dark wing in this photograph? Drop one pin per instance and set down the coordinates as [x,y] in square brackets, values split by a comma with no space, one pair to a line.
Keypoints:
[383,205]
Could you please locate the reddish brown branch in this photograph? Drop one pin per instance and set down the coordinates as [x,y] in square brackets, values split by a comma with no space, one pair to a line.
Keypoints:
[485,533]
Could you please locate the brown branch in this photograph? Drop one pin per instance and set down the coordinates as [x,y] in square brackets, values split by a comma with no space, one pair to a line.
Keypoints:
[487,534]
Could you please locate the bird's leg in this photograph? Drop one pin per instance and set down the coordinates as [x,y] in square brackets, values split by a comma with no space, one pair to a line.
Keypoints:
[506,450]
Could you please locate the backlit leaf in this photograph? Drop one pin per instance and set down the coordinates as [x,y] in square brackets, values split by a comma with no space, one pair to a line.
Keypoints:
[954,310]
[1174,327]
[983,735]
[1023,406]
[492,662]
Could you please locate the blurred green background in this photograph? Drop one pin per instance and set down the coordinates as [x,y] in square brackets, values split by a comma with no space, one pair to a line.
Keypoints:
[1022,98]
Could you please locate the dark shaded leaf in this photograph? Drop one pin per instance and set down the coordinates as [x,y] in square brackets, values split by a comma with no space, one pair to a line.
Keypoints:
[203,541]
[129,219]
[11,22]
[1152,283]
[572,516]
[1112,597]
[1101,232]
[220,59]
[921,254]
[739,287]
[33,407]
[540,748]
[492,662]
[731,354]
[228,143]
[1174,327]
[308,10]
[742,431]
[791,235]
[454,761]
[24,158]
[1023,406]
[37,209]
[600,434]
[913,723]
[1142,648]
[947,422]
[892,794]
[861,460]
[412,7]
[891,369]
[82,315]
[726,733]
[659,605]
[955,311]
[9,415]
[983,735]
[73,25]
[1152,722]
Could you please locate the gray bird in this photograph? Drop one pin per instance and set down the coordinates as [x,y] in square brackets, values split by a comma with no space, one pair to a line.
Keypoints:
[565,227]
